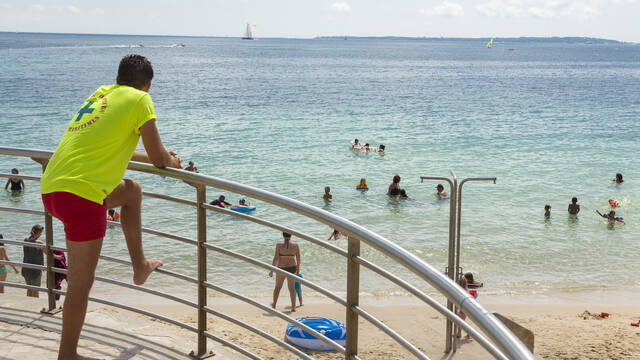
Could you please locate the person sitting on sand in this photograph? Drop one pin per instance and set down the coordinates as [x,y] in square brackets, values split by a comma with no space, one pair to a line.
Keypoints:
[327,194]
[335,235]
[573,208]
[610,216]
[394,187]
[547,211]
[219,202]
[287,258]
[440,193]
[618,179]
[192,167]
[17,185]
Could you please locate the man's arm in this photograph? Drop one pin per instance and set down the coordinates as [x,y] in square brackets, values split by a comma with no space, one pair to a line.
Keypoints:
[7,185]
[156,153]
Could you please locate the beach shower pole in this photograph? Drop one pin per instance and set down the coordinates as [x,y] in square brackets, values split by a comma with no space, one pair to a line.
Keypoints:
[450,270]
[458,272]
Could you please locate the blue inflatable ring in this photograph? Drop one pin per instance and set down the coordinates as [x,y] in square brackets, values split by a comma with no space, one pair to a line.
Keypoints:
[330,328]
[242,209]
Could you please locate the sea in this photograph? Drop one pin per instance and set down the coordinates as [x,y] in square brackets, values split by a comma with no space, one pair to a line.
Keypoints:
[551,119]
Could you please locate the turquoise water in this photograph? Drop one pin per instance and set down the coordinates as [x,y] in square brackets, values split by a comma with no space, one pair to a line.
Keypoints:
[550,120]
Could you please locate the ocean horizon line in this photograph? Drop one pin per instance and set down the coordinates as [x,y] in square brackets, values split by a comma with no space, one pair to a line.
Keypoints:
[556,39]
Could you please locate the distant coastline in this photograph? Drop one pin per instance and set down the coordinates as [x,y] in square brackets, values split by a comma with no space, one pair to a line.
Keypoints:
[552,39]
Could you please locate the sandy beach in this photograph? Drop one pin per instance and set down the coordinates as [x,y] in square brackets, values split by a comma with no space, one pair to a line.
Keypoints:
[562,329]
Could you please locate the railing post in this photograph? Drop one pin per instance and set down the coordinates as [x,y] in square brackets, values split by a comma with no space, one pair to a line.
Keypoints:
[202,274]
[51,280]
[48,233]
[353,293]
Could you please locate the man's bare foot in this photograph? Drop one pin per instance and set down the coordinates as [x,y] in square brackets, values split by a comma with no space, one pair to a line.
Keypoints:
[141,275]
[293,310]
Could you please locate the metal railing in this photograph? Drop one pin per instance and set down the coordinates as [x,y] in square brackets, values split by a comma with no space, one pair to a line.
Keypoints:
[495,336]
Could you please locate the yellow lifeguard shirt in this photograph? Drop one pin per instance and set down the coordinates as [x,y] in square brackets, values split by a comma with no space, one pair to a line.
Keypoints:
[97,146]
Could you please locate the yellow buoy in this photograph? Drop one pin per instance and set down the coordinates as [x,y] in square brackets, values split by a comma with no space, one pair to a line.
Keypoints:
[364,51]
[254,24]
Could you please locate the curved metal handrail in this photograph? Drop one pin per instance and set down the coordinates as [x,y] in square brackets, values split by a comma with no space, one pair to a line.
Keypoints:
[497,331]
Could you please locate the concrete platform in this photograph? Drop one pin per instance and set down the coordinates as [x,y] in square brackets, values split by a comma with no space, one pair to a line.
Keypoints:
[108,333]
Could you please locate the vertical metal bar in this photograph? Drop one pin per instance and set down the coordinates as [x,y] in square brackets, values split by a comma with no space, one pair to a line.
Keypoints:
[451,263]
[353,292]
[51,281]
[202,270]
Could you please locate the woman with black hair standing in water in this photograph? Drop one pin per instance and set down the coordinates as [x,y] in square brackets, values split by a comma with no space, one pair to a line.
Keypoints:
[287,258]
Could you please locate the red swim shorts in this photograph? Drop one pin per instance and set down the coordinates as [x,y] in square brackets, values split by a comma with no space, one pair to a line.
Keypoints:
[83,219]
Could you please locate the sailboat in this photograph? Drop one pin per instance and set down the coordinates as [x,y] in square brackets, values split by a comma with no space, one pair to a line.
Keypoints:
[247,33]
[490,44]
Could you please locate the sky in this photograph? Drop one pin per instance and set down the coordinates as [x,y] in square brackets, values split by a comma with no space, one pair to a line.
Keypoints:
[609,19]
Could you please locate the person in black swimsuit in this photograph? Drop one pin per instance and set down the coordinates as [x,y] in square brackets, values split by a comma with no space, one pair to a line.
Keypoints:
[16,184]
[287,258]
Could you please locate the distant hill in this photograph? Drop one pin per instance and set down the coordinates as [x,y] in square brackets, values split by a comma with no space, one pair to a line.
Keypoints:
[555,39]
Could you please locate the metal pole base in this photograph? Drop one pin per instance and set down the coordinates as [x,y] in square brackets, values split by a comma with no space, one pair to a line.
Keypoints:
[51,311]
[193,355]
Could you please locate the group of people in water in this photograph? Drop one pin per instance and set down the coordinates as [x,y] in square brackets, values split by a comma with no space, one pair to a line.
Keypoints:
[574,207]
[356,145]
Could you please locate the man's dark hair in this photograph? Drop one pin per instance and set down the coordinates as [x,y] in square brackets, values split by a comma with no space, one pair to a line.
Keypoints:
[135,71]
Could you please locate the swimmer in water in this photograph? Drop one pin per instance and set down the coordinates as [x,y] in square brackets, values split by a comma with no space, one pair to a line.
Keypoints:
[618,179]
[611,217]
[219,202]
[335,235]
[327,194]
[356,144]
[381,148]
[441,194]
[547,211]
[573,208]
[17,185]
[362,185]
[192,167]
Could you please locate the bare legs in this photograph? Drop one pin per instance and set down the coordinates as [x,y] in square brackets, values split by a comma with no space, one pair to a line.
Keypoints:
[83,258]
[128,195]
[292,291]
[3,277]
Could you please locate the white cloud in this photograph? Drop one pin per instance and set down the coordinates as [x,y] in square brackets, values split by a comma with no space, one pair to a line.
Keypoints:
[446,8]
[73,9]
[341,7]
[500,8]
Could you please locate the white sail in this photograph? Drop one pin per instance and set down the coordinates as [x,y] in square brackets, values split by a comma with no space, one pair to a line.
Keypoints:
[247,33]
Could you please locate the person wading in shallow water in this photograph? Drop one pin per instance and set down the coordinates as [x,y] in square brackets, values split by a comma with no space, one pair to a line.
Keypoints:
[84,178]
[287,258]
